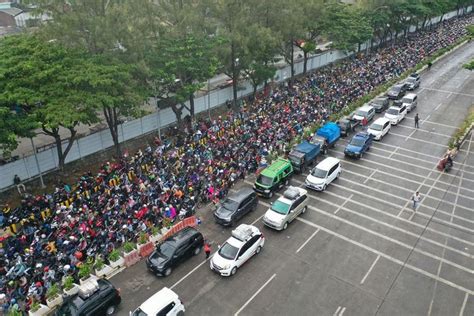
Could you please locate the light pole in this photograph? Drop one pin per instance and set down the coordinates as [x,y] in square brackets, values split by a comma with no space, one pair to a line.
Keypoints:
[37,163]
[209,97]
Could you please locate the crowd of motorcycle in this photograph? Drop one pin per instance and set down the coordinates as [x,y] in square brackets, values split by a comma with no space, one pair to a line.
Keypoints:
[56,232]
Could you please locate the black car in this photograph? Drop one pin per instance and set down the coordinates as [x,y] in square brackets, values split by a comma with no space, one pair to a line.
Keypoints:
[397,91]
[177,248]
[235,206]
[380,104]
[347,125]
[98,297]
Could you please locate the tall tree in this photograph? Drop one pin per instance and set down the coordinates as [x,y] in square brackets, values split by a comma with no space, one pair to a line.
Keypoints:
[45,80]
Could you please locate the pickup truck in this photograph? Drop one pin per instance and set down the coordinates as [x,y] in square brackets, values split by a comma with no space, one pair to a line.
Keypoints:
[347,125]
[327,136]
[303,155]
[360,143]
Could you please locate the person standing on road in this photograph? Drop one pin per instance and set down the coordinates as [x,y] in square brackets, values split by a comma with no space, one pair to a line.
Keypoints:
[416,200]
[207,249]
[417,118]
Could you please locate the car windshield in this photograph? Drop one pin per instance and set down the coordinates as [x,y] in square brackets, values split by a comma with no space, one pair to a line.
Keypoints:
[230,205]
[376,127]
[166,249]
[280,207]
[406,100]
[361,113]
[264,180]
[294,159]
[378,101]
[411,79]
[396,89]
[392,111]
[357,142]
[139,312]
[228,251]
[319,173]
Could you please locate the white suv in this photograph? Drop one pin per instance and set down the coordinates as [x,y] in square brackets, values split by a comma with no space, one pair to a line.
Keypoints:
[379,128]
[246,241]
[284,210]
[164,302]
[323,174]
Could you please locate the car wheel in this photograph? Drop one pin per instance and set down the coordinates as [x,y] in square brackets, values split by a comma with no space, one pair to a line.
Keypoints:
[368,148]
[324,187]
[259,248]
[168,271]
[110,310]
[233,271]
[304,210]
[270,195]
[197,251]
[180,313]
[285,226]
[338,174]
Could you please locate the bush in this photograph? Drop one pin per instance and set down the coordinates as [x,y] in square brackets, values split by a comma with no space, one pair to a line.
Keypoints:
[143,238]
[99,263]
[35,306]
[84,270]
[53,291]
[68,283]
[128,247]
[114,255]
[155,230]
[463,128]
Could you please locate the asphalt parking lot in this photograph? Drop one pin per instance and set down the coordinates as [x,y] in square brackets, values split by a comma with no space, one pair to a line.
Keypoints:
[360,249]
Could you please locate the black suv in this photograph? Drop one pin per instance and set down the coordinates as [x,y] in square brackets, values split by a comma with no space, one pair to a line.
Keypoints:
[174,250]
[397,91]
[380,104]
[99,298]
[235,206]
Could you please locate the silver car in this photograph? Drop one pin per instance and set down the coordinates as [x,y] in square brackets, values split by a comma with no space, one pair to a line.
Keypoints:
[284,210]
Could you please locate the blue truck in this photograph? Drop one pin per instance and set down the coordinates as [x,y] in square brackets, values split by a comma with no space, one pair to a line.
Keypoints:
[360,143]
[327,136]
[303,155]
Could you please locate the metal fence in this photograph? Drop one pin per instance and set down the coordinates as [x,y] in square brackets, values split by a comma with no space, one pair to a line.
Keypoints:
[27,168]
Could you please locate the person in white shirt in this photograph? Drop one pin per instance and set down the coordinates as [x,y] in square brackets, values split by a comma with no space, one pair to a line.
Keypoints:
[416,200]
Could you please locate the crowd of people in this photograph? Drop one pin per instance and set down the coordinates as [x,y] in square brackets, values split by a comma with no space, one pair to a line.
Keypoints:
[57,232]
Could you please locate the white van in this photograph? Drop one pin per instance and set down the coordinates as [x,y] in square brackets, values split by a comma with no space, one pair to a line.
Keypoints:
[164,302]
[323,174]
[367,111]
[410,101]
[379,128]
[396,114]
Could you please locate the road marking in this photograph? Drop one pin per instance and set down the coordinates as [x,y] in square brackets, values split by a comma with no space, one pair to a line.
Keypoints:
[342,205]
[426,119]
[389,167]
[417,190]
[403,220]
[435,123]
[370,176]
[437,107]
[411,134]
[254,295]
[370,270]
[424,130]
[463,306]
[395,227]
[190,272]
[388,257]
[393,152]
[448,95]
[452,92]
[307,240]
[339,311]
[422,140]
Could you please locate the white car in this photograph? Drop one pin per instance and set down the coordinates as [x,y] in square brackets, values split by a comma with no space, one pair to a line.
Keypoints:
[379,128]
[323,174]
[410,101]
[365,111]
[284,210]
[396,114]
[246,241]
[164,302]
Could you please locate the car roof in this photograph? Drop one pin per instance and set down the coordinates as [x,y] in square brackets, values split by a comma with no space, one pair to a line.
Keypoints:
[381,121]
[395,107]
[410,95]
[365,107]
[275,167]
[183,234]
[327,163]
[242,194]
[158,301]
[291,194]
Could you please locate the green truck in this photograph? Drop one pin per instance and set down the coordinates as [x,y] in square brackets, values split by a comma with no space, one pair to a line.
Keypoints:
[273,177]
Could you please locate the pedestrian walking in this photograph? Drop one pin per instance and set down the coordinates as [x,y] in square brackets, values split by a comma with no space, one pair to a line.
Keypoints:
[364,121]
[207,249]
[416,200]
[417,118]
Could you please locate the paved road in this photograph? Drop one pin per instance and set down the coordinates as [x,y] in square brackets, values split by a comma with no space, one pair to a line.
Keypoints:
[359,250]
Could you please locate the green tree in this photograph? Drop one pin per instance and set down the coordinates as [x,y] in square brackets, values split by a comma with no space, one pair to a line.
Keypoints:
[12,126]
[45,80]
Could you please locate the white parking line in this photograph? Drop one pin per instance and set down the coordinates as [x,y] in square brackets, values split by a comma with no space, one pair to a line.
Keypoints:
[435,123]
[342,205]
[417,190]
[374,209]
[190,272]
[254,295]
[451,92]
[307,240]
[422,140]
[437,107]
[388,257]
[404,199]
[339,311]
[370,176]
[370,269]
[382,223]
[463,306]
[448,95]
